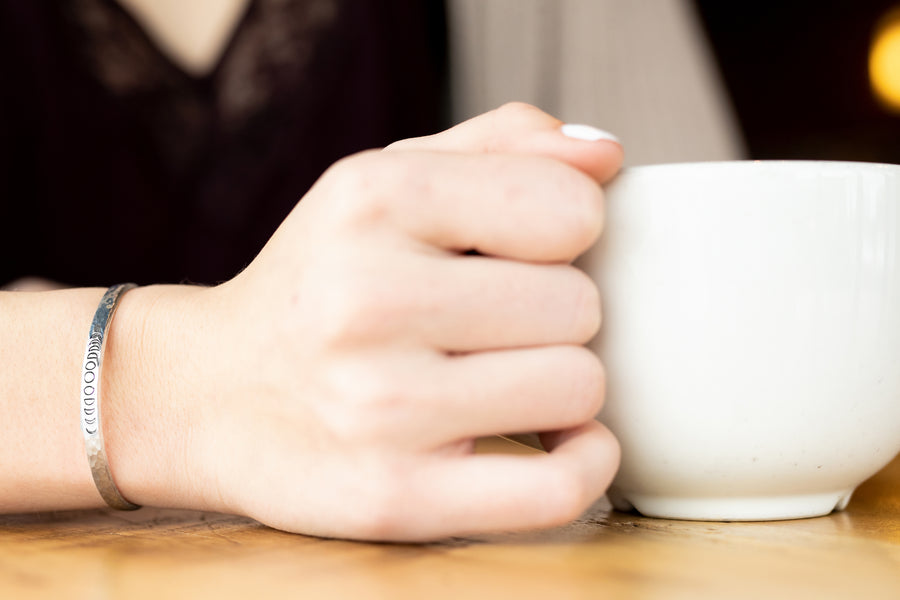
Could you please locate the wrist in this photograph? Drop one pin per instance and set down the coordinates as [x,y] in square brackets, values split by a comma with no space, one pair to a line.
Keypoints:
[154,374]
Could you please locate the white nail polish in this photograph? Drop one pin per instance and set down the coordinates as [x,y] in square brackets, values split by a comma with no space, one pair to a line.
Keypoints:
[587,133]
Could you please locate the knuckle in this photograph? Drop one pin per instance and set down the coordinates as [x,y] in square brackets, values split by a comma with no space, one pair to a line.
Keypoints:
[361,187]
[358,309]
[588,381]
[343,319]
[506,119]
[383,514]
[352,172]
[376,188]
[348,425]
[577,213]
[377,521]
[587,310]
[613,451]
[583,217]
[380,395]
[567,498]
[517,110]
[576,497]
[368,403]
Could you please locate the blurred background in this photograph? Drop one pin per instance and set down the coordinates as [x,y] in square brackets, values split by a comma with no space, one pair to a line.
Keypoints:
[811,79]
[692,80]
[109,104]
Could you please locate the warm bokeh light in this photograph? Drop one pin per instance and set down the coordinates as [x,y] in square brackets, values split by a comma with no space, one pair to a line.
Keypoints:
[884,61]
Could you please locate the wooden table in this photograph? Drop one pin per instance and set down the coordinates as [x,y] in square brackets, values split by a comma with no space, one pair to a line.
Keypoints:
[164,554]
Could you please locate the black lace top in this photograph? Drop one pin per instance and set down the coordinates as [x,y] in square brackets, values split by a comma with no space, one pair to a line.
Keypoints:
[117,165]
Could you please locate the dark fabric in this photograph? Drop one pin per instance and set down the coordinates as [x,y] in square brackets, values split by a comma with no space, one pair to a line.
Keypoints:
[116,165]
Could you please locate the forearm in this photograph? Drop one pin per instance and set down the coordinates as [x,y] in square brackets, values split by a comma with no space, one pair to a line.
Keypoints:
[145,393]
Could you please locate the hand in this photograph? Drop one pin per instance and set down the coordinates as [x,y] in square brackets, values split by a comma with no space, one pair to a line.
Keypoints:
[417,298]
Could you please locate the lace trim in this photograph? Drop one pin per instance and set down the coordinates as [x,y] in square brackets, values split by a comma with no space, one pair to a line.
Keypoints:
[273,43]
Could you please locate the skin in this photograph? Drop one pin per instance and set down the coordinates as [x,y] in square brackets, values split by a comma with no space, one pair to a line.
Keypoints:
[417,298]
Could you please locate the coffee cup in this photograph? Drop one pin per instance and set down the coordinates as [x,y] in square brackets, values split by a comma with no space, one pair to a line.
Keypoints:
[751,335]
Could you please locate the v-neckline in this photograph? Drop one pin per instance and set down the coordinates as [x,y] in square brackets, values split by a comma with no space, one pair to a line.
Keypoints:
[174,64]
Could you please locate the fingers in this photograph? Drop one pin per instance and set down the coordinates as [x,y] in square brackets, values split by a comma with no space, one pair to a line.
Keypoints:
[426,402]
[518,128]
[491,304]
[380,347]
[457,304]
[514,391]
[519,207]
[482,493]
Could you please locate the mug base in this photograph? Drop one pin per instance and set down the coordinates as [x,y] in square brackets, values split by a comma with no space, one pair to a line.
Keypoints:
[749,508]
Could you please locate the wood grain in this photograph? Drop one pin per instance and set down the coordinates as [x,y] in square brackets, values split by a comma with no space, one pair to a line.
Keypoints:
[156,553]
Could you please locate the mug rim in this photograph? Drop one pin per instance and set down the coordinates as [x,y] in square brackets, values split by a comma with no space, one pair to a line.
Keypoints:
[747,164]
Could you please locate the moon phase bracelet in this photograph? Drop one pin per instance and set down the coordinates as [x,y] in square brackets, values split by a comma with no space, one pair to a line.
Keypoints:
[90,398]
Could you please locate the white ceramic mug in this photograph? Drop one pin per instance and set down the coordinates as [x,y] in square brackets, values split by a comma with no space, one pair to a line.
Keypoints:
[751,335]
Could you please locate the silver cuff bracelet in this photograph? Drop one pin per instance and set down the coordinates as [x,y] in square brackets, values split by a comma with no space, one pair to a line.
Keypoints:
[90,398]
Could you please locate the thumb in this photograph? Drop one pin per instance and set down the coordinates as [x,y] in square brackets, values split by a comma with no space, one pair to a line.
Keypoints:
[518,128]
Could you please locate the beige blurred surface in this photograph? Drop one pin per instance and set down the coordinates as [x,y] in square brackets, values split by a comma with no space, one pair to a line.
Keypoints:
[174,554]
[641,69]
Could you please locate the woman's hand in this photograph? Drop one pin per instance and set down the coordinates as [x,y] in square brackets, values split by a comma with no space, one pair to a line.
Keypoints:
[417,298]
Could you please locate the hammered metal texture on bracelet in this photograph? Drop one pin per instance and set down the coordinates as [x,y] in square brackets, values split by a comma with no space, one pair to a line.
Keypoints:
[91,425]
